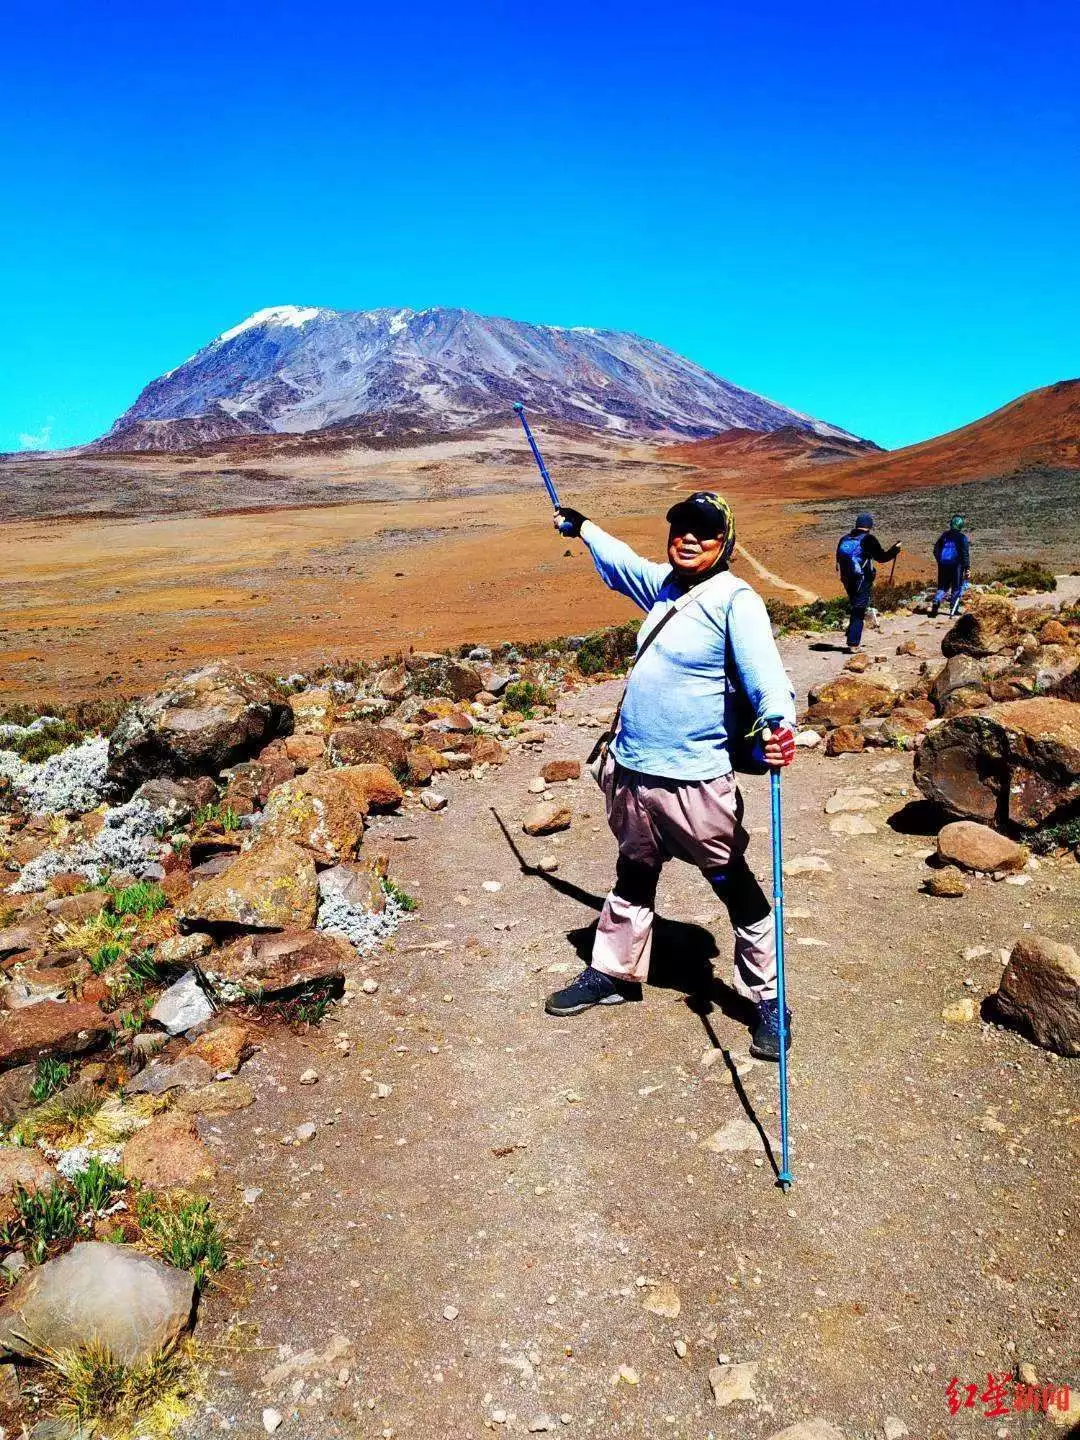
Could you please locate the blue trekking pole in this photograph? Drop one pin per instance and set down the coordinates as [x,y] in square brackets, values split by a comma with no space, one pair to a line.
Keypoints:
[553,494]
[784,1177]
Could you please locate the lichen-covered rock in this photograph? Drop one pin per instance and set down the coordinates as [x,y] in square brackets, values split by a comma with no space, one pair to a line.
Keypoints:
[223,1047]
[196,726]
[850,698]
[1040,990]
[100,1296]
[947,883]
[272,886]
[1016,764]
[845,740]
[313,712]
[320,812]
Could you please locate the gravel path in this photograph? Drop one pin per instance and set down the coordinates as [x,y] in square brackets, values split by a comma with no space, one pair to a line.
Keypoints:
[493,1200]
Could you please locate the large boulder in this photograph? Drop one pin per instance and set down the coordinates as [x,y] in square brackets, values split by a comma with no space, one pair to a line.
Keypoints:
[1016,764]
[272,886]
[989,626]
[318,811]
[1040,991]
[98,1296]
[196,726]
[268,965]
[51,1028]
[850,698]
[976,847]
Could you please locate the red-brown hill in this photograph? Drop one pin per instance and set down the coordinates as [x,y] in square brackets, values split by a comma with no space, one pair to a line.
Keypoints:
[1039,431]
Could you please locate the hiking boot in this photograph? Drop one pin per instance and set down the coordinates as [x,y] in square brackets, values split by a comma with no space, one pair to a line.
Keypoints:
[934,608]
[765,1044]
[592,987]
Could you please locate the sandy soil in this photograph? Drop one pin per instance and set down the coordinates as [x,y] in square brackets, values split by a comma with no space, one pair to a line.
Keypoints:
[542,1178]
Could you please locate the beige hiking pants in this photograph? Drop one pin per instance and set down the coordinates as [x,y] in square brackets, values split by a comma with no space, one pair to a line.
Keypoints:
[655,820]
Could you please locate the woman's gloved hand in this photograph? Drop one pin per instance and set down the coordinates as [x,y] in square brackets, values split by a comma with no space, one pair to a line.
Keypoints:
[778,745]
[569,522]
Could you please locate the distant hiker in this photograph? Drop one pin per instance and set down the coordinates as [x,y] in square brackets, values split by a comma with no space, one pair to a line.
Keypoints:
[667,775]
[855,557]
[953,555]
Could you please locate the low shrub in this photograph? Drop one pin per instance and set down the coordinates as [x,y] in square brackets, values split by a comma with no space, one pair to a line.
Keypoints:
[91,1388]
[1023,575]
[523,695]
[611,649]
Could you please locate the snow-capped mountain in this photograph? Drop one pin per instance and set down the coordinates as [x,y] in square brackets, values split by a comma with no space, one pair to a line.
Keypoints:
[298,368]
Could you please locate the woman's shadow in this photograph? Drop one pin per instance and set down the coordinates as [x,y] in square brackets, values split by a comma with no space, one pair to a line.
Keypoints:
[682,956]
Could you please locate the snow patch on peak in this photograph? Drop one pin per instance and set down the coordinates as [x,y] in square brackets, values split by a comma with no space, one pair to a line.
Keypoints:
[399,322]
[293,316]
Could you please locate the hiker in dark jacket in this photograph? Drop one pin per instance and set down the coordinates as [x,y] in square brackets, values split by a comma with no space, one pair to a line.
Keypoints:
[855,557]
[953,555]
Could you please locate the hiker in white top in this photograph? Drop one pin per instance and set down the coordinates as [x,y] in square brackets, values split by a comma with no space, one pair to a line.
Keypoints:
[667,776]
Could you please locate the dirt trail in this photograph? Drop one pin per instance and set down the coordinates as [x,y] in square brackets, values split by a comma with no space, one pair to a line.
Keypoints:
[492,1195]
[775,580]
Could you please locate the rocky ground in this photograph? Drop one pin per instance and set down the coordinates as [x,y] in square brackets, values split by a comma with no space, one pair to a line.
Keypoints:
[448,1214]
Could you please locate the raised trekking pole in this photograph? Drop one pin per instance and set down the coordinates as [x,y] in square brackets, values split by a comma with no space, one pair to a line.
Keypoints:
[553,494]
[892,571]
[784,1177]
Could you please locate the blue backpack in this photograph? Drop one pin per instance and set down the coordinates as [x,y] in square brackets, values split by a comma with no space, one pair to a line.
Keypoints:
[849,556]
[949,552]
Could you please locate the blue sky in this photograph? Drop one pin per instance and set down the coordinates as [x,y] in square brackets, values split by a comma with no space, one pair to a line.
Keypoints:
[866,212]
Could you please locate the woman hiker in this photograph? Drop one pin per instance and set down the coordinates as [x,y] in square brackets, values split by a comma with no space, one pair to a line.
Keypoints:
[855,556]
[667,778]
[953,555]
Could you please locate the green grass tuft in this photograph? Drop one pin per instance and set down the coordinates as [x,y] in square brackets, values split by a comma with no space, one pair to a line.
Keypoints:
[142,899]
[50,1075]
[43,1220]
[96,1185]
[186,1233]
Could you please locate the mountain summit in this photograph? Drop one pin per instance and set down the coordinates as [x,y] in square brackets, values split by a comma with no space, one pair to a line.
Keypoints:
[294,368]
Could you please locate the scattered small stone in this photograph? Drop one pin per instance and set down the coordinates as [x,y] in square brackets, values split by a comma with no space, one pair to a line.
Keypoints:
[537,786]
[450,1312]
[251,1194]
[557,772]
[807,739]
[946,883]
[977,847]
[434,800]
[663,1300]
[271,1420]
[852,825]
[627,1374]
[309,1077]
[850,799]
[962,1012]
[807,865]
[679,1346]
[305,1132]
[546,818]
[369,986]
[492,886]
[548,864]
[737,1135]
[732,1383]
[894,1429]
[540,1424]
